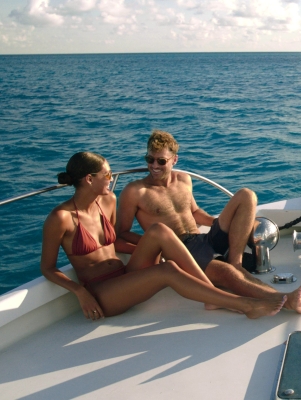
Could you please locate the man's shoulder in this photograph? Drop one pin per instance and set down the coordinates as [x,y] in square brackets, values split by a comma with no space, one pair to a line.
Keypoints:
[180,176]
[135,185]
[138,185]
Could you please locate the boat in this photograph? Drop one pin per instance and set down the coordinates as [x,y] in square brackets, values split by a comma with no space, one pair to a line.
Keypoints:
[167,347]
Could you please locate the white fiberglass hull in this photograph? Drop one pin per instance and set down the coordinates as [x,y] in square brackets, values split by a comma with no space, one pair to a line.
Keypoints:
[167,347]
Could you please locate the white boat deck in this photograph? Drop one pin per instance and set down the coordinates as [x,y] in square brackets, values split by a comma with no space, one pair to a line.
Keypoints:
[168,347]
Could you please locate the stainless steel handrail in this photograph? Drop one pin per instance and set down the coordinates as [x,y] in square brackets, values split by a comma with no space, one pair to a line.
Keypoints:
[115,179]
[209,181]
[24,196]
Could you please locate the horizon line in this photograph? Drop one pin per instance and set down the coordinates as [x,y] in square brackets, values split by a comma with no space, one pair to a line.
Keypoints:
[148,52]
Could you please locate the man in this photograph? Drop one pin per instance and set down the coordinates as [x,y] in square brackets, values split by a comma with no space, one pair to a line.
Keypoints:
[166,196]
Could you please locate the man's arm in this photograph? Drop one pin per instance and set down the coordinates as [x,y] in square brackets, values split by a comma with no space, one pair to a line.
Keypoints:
[127,208]
[121,245]
[200,216]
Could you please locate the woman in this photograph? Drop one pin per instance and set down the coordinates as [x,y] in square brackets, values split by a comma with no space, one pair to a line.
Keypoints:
[84,227]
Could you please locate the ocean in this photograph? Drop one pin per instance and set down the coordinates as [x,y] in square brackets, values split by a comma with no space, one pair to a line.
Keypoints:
[236,117]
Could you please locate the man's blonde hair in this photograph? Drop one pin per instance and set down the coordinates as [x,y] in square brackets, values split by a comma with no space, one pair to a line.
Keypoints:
[160,140]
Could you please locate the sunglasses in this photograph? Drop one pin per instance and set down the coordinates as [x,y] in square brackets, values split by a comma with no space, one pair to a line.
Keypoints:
[161,160]
[107,175]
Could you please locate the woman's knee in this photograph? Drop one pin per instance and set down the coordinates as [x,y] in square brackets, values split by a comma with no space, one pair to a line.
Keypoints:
[170,268]
[160,230]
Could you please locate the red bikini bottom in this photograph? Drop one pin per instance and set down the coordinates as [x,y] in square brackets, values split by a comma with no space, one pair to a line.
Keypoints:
[101,278]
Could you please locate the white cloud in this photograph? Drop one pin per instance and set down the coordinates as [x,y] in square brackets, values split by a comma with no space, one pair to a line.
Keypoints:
[117,14]
[159,25]
[232,21]
[37,13]
[82,5]
[114,11]
[268,14]
[21,38]
[77,7]
[76,20]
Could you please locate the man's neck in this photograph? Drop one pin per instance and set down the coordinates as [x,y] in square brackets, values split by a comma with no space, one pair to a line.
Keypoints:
[165,181]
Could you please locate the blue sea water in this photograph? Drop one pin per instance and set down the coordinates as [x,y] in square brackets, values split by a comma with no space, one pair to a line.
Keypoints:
[235,115]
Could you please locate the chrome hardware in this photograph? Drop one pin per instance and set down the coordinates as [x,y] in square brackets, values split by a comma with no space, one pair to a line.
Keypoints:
[288,392]
[265,237]
[284,278]
[296,240]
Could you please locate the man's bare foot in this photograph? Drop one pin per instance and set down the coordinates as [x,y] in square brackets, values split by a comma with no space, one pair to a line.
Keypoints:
[294,300]
[264,307]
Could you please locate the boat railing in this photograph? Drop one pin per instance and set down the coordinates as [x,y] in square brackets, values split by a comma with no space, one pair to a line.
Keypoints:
[116,176]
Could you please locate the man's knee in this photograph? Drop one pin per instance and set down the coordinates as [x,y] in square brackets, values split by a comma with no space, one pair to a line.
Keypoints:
[246,195]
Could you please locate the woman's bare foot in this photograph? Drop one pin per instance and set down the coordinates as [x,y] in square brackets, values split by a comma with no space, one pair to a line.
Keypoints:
[211,307]
[294,300]
[263,307]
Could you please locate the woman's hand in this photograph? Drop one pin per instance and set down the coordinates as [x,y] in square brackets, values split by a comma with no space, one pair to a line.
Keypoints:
[89,305]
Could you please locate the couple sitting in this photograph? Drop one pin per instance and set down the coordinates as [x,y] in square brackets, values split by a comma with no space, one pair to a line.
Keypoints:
[164,206]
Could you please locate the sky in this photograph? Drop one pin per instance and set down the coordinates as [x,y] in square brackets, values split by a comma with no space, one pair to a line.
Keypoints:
[135,26]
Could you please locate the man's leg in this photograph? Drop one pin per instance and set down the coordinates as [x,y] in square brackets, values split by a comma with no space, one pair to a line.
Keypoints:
[237,219]
[241,282]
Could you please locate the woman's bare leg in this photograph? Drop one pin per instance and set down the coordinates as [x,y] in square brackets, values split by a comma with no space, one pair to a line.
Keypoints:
[117,295]
[159,238]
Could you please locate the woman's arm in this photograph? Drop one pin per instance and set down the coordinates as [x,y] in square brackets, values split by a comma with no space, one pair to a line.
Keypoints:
[53,233]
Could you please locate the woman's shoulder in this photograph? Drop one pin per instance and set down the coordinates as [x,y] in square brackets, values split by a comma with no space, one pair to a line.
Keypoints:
[107,205]
[66,206]
[109,198]
[62,211]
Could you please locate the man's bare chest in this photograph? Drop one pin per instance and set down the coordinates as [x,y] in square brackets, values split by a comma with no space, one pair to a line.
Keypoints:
[164,201]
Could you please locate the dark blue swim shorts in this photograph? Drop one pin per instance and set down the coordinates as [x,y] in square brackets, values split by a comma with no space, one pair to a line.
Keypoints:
[205,247]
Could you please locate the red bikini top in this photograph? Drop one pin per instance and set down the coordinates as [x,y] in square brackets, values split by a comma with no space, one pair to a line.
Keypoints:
[83,243]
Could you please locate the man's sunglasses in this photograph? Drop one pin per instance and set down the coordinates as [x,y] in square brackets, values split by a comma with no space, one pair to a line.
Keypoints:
[160,160]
